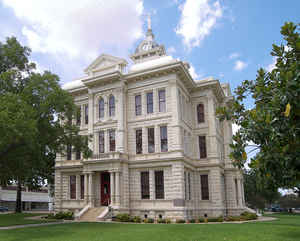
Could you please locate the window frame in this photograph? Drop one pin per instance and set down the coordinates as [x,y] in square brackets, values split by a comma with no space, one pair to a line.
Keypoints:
[204,188]
[69,152]
[200,113]
[163,141]
[81,186]
[202,147]
[138,141]
[159,184]
[149,103]
[162,101]
[145,185]
[112,105]
[138,106]
[149,138]
[112,140]
[72,186]
[101,108]
[86,114]
[101,139]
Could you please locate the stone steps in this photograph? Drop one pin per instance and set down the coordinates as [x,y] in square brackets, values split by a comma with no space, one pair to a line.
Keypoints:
[91,214]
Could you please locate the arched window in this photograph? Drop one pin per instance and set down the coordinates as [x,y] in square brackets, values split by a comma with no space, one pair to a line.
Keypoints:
[111,105]
[101,108]
[200,113]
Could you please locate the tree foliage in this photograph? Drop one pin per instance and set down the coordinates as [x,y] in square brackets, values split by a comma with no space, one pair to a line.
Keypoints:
[34,110]
[273,124]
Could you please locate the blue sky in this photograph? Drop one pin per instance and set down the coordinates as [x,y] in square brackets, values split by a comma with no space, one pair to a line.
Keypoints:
[226,39]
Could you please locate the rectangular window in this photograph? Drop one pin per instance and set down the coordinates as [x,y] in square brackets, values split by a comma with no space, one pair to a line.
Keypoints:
[204,187]
[78,116]
[202,147]
[81,186]
[162,100]
[189,186]
[112,140]
[78,155]
[73,187]
[69,152]
[151,143]
[159,185]
[101,142]
[86,114]
[138,105]
[145,185]
[164,139]
[139,141]
[150,102]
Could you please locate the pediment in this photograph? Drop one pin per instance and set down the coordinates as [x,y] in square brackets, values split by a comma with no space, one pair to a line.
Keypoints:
[104,62]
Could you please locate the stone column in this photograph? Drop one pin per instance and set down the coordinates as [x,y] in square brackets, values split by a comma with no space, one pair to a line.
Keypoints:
[120,133]
[77,187]
[106,140]
[112,188]
[144,103]
[155,101]
[86,194]
[177,143]
[117,189]
[211,140]
[157,139]
[152,185]
[144,139]
[91,119]
[240,192]
[91,194]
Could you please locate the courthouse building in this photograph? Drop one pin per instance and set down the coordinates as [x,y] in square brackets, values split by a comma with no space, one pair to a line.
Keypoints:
[159,149]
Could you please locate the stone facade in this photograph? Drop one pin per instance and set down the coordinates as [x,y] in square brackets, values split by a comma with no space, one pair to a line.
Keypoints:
[181,164]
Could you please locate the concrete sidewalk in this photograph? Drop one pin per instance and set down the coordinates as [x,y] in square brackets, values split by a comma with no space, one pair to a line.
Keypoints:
[34,225]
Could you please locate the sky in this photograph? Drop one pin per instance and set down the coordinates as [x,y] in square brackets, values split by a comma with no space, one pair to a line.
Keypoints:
[226,39]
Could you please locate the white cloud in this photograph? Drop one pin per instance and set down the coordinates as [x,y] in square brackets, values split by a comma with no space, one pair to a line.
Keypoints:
[271,66]
[171,50]
[234,55]
[79,29]
[235,128]
[197,20]
[240,65]
[193,72]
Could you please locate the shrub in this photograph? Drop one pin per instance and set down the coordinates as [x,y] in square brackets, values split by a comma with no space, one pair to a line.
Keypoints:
[212,220]
[180,221]
[161,220]
[168,220]
[201,220]
[234,218]
[62,215]
[150,220]
[192,220]
[248,216]
[123,217]
[137,219]
[220,219]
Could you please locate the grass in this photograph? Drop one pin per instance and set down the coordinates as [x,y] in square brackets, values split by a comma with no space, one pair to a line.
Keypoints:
[12,219]
[287,228]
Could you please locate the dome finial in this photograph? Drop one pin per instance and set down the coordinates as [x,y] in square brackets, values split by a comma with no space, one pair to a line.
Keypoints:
[149,22]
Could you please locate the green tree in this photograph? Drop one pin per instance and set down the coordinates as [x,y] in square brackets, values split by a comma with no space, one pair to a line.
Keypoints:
[35,124]
[273,124]
[258,195]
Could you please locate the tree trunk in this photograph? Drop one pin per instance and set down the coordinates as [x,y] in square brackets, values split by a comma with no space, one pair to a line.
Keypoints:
[19,198]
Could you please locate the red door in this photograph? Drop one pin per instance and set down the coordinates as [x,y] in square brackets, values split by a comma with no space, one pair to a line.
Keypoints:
[105,188]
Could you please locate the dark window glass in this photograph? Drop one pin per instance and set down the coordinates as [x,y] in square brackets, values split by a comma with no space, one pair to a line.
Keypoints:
[162,100]
[151,143]
[236,192]
[189,185]
[86,114]
[101,108]
[82,187]
[204,187]
[138,105]
[202,147]
[112,140]
[78,116]
[200,113]
[78,155]
[159,185]
[145,185]
[150,102]
[139,141]
[163,139]
[69,152]
[73,187]
[101,142]
[111,105]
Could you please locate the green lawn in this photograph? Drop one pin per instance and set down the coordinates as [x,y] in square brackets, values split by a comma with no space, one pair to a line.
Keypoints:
[12,219]
[285,229]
